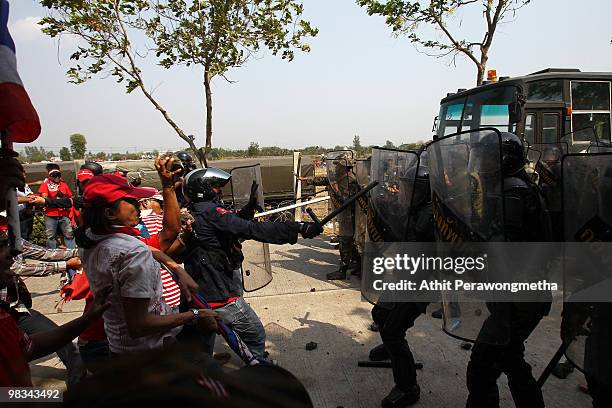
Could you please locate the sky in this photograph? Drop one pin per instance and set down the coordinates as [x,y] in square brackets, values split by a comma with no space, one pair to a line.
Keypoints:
[358,79]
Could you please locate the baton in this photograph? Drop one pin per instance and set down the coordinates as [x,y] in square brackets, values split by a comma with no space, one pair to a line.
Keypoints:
[349,201]
[551,365]
[291,207]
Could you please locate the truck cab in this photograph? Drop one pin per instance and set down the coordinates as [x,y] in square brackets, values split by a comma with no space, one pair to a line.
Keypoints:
[549,106]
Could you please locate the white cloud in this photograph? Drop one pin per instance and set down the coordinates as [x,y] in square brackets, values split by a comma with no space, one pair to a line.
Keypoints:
[26,29]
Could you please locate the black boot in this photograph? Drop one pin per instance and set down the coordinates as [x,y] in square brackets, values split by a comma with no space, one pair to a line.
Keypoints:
[379,353]
[340,274]
[399,399]
[355,269]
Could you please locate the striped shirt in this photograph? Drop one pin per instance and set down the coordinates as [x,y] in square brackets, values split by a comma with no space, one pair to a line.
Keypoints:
[170,289]
[153,222]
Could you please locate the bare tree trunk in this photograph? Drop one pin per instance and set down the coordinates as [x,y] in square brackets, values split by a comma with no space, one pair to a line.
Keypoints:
[168,119]
[209,114]
[479,74]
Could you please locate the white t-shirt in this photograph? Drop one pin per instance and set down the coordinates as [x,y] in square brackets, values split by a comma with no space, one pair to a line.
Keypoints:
[26,192]
[126,263]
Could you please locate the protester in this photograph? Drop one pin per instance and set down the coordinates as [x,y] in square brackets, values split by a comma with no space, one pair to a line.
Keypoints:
[26,210]
[17,347]
[152,216]
[50,261]
[138,318]
[55,187]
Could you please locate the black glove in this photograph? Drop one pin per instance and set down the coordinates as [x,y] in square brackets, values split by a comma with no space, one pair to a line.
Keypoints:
[253,198]
[310,229]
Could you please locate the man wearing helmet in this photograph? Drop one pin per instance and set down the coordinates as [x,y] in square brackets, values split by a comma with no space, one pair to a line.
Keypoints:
[214,252]
[342,183]
[394,318]
[525,220]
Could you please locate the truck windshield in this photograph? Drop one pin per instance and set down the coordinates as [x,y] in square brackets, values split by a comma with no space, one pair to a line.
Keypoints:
[489,108]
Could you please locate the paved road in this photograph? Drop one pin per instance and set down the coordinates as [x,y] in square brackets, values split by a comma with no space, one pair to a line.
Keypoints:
[299,306]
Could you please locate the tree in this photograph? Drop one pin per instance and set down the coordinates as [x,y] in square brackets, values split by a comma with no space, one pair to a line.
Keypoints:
[34,154]
[78,146]
[357,147]
[105,29]
[65,154]
[389,145]
[216,34]
[253,150]
[100,156]
[409,17]
[219,35]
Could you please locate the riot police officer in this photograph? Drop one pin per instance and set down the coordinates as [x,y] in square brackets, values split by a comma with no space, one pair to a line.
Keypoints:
[394,319]
[341,183]
[214,252]
[525,221]
[186,164]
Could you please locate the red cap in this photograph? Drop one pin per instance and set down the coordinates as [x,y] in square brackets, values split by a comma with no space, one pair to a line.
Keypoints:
[108,188]
[84,175]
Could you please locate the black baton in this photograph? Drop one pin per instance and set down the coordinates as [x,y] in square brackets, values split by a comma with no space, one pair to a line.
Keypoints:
[551,365]
[343,207]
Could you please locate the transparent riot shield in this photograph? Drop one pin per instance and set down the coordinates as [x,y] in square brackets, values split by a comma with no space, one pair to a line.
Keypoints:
[256,267]
[579,140]
[342,184]
[548,169]
[467,196]
[395,171]
[362,173]
[390,201]
[587,328]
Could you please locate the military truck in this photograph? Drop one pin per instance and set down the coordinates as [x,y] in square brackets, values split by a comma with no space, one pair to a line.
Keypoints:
[547,106]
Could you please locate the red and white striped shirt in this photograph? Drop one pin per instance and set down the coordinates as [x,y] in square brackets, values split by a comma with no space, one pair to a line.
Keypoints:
[153,222]
[170,289]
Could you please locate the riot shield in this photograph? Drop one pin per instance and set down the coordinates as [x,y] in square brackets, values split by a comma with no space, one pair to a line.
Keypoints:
[390,201]
[467,196]
[587,328]
[579,140]
[256,267]
[548,169]
[362,173]
[395,171]
[342,184]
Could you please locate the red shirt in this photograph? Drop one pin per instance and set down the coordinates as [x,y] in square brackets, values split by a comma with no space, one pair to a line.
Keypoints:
[79,289]
[15,347]
[53,190]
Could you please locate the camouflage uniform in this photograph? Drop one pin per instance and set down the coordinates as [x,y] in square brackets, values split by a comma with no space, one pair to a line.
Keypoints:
[339,190]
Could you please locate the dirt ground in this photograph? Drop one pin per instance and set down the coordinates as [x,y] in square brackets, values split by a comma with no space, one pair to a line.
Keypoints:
[300,306]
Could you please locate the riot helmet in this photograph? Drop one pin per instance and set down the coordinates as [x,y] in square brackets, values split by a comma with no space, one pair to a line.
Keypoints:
[551,155]
[186,161]
[94,167]
[200,184]
[513,153]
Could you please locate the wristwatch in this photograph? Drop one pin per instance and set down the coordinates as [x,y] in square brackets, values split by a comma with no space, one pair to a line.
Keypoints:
[196,314]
